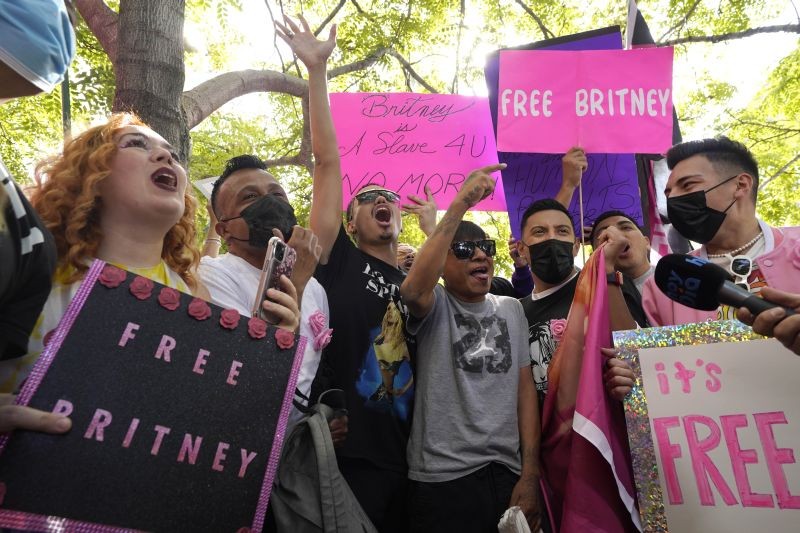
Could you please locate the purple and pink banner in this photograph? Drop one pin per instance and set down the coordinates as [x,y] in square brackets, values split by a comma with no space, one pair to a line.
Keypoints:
[606,101]
[407,141]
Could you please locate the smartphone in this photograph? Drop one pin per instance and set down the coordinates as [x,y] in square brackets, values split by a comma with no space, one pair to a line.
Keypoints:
[279,261]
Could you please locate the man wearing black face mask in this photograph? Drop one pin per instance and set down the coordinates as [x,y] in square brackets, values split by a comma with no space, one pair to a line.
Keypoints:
[711,199]
[249,204]
[548,244]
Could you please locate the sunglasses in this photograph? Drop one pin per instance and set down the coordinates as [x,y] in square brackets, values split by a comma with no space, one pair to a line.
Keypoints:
[465,249]
[741,266]
[370,196]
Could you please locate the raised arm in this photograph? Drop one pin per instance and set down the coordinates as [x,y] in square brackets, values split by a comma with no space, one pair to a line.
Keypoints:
[326,203]
[417,289]
[573,165]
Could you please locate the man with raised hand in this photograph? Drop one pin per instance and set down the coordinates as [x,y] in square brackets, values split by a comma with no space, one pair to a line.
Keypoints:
[474,448]
[367,358]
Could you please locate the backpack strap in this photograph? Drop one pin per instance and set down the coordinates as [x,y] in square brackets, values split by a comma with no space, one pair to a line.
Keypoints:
[330,500]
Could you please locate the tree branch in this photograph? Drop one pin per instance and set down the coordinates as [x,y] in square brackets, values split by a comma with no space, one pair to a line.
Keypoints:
[783,169]
[408,68]
[201,101]
[102,21]
[283,161]
[330,17]
[785,28]
[682,22]
[545,32]
[360,64]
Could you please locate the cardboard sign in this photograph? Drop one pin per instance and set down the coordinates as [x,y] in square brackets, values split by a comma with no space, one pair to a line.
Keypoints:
[606,101]
[722,417]
[610,182]
[179,410]
[405,141]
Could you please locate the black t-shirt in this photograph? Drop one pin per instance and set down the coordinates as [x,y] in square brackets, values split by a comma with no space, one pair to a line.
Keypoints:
[547,320]
[27,262]
[368,356]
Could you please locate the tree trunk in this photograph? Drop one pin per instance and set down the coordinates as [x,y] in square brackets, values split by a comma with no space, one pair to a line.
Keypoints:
[149,67]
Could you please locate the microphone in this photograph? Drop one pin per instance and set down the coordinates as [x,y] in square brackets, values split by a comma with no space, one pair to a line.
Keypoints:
[697,283]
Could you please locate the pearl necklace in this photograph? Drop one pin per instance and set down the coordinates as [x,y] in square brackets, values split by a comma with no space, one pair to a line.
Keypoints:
[740,249]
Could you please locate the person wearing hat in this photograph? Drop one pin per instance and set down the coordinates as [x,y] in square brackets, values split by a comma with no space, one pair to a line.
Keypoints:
[37,44]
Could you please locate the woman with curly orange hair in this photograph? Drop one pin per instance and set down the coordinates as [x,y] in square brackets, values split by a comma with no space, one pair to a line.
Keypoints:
[117,192]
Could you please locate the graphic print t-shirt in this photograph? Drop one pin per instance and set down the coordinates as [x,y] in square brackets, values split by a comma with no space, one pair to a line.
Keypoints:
[547,320]
[368,356]
[469,357]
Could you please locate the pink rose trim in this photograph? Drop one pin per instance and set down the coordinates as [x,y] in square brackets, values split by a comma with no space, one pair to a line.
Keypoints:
[229,318]
[285,339]
[318,323]
[557,328]
[169,298]
[257,328]
[141,288]
[112,276]
[323,339]
[199,309]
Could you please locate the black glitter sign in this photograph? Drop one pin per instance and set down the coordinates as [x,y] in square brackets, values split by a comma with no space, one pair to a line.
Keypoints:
[178,407]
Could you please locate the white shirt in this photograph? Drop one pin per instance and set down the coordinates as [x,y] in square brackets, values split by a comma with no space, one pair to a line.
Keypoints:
[233,282]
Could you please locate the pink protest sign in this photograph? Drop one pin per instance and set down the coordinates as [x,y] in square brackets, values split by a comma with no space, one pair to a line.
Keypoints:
[607,101]
[714,428]
[405,141]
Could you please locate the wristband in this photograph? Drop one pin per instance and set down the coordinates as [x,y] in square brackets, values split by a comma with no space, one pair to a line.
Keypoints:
[614,278]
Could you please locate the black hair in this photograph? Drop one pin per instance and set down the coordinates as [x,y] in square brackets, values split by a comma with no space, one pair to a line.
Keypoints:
[546,204]
[468,231]
[609,214]
[722,152]
[240,162]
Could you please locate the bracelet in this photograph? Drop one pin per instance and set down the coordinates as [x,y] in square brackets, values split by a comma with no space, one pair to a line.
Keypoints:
[215,239]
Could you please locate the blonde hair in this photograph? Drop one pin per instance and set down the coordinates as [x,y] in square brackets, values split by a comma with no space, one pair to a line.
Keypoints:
[67,198]
[391,334]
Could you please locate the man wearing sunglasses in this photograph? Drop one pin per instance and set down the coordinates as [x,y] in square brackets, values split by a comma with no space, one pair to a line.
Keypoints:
[711,199]
[476,407]
[362,281]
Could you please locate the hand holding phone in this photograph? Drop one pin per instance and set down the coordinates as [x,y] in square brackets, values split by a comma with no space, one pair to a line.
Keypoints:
[279,261]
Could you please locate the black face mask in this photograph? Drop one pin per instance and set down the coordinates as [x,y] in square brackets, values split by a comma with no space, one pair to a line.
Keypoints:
[692,217]
[262,216]
[552,260]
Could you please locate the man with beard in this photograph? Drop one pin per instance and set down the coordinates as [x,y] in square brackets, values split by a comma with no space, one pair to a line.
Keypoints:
[362,281]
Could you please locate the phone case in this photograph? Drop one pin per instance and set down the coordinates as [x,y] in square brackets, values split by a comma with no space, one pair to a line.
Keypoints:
[271,273]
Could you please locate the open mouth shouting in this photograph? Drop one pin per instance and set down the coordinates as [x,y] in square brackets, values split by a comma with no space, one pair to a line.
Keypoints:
[480,273]
[165,178]
[383,214]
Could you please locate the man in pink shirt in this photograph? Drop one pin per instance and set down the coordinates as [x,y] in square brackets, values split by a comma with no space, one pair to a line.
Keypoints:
[711,199]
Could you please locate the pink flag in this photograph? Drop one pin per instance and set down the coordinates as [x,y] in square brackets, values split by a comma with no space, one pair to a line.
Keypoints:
[585,456]
[658,234]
